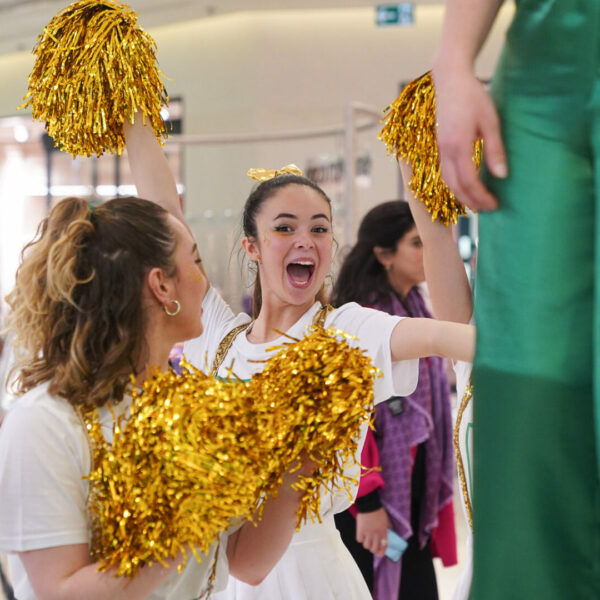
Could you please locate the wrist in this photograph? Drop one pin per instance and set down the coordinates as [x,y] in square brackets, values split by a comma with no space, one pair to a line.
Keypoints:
[369,502]
[452,62]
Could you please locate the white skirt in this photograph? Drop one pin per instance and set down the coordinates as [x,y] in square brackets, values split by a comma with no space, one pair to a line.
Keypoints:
[316,566]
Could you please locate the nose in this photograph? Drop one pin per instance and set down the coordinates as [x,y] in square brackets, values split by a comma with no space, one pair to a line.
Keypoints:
[303,240]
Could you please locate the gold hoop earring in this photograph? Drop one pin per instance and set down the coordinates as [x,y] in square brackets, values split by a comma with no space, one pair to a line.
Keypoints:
[175,312]
[388,267]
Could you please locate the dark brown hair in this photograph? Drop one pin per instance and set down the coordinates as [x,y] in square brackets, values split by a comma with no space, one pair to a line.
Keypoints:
[362,277]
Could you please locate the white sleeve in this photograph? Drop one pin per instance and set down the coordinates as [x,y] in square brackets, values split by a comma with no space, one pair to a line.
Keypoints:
[463,376]
[216,315]
[374,328]
[42,493]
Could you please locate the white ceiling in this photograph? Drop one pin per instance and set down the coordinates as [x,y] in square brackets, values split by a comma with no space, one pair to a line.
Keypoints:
[22,20]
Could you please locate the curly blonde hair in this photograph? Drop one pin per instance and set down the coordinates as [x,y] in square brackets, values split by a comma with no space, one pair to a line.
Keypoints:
[76,317]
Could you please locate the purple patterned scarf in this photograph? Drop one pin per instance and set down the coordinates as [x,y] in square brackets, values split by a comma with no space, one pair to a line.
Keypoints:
[426,418]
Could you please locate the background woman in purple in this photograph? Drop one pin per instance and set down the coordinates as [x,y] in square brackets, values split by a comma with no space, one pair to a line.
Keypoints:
[413,492]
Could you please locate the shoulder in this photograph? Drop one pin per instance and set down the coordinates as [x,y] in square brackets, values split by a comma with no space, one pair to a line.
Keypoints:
[217,319]
[351,317]
[44,456]
[41,409]
[42,420]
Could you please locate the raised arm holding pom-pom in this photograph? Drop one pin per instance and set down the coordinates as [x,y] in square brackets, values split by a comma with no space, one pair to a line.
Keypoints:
[451,299]
[447,281]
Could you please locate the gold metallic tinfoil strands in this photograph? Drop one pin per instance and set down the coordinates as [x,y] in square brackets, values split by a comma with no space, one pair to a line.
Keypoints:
[260,174]
[94,68]
[467,397]
[409,133]
[198,454]
[177,474]
[323,390]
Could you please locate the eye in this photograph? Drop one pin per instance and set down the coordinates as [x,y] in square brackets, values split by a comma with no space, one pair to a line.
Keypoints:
[282,228]
[198,261]
[320,229]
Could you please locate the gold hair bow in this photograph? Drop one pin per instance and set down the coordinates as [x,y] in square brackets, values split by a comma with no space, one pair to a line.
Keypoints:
[266,174]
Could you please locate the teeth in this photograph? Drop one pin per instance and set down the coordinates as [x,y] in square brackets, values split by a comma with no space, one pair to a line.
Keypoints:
[304,263]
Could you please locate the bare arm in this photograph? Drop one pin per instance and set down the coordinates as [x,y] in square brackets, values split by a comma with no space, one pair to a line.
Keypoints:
[65,573]
[151,173]
[464,109]
[150,168]
[254,550]
[445,273]
[418,338]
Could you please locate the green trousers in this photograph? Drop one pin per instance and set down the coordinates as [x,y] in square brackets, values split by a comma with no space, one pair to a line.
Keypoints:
[536,376]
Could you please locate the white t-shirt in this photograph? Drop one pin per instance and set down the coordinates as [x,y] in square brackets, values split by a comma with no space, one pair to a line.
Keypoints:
[372,328]
[44,454]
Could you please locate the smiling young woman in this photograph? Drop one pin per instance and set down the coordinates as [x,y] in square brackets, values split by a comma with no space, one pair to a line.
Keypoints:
[288,233]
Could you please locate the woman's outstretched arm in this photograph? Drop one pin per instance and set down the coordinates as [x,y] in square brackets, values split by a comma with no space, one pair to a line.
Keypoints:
[418,338]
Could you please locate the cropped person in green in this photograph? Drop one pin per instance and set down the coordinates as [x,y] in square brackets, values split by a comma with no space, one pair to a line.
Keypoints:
[537,307]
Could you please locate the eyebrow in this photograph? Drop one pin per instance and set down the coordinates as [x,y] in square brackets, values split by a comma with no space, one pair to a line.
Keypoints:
[194,248]
[291,216]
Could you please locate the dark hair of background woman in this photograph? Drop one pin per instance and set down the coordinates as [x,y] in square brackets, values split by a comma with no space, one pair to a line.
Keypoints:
[362,278]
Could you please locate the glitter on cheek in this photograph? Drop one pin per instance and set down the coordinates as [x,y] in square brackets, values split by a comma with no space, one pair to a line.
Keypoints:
[195,275]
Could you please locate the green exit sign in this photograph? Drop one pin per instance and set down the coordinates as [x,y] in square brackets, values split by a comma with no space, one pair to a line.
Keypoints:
[395,14]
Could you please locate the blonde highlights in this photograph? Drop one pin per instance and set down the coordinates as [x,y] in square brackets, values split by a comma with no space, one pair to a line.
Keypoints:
[76,317]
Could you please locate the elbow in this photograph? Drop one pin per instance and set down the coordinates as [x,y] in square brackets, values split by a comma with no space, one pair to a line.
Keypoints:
[254,581]
[248,576]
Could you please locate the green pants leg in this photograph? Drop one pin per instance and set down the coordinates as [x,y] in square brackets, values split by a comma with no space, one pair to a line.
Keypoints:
[536,487]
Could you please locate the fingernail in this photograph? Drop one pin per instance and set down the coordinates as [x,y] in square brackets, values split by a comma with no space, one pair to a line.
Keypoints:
[500,170]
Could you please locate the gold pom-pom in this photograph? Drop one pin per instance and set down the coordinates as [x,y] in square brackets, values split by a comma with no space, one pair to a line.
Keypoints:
[322,390]
[197,454]
[409,134]
[178,472]
[94,68]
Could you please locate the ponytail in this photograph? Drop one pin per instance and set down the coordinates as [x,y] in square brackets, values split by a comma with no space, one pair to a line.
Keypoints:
[76,309]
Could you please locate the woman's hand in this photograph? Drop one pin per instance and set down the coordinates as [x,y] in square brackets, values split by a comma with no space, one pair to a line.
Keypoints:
[372,530]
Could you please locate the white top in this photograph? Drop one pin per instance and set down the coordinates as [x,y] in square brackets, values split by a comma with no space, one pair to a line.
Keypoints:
[44,454]
[373,329]
[316,564]
[465,441]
